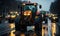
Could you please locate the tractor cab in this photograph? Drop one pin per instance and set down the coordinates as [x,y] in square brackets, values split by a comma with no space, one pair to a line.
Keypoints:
[28,12]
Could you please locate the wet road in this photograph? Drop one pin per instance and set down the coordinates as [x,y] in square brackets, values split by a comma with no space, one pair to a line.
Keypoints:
[49,29]
[53,29]
[44,30]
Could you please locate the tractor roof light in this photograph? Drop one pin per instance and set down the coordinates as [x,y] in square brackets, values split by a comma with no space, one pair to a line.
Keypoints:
[35,4]
[23,4]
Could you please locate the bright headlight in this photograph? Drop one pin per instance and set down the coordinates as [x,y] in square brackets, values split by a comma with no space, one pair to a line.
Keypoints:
[27,13]
[13,16]
[33,27]
[16,12]
[54,18]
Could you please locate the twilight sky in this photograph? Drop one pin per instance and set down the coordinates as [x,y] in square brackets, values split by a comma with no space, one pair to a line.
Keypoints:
[45,4]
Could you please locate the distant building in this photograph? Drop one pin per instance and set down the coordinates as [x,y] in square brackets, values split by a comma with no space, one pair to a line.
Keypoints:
[54,8]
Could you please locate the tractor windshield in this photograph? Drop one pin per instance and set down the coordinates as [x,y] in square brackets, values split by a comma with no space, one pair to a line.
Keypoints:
[30,7]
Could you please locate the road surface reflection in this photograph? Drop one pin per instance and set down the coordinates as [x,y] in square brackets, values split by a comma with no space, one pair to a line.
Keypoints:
[53,29]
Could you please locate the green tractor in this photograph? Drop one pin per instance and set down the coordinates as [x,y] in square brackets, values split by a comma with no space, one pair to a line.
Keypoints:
[28,13]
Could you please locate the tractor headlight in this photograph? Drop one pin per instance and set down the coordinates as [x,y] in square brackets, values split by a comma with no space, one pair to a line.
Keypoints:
[27,13]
